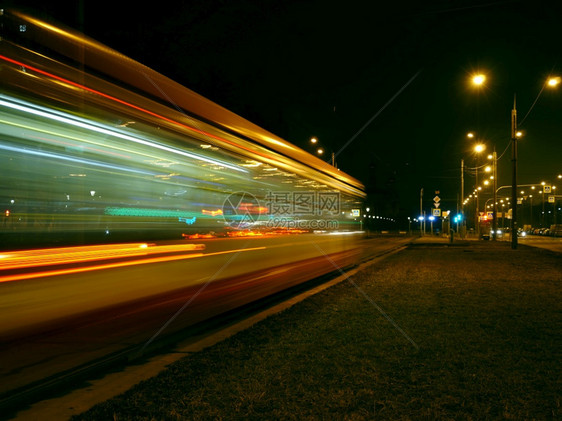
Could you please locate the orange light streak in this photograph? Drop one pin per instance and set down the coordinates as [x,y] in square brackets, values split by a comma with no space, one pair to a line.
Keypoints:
[66,255]
[245,233]
[19,277]
[198,236]
[212,212]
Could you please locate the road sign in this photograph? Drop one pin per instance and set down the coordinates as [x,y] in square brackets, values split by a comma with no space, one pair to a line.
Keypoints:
[551,199]
[436,212]
[547,189]
[436,201]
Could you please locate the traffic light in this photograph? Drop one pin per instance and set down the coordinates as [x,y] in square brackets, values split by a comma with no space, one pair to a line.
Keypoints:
[458,218]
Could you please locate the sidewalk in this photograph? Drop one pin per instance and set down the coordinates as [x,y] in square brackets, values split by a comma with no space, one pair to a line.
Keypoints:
[465,332]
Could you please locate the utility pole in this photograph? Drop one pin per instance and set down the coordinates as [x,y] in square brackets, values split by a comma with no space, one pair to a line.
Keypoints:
[462,187]
[514,176]
[421,214]
[495,208]
[477,213]
[463,231]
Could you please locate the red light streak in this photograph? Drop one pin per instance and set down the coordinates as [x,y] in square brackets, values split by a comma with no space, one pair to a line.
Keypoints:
[128,104]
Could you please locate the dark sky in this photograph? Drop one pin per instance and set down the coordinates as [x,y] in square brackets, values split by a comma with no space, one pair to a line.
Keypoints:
[383,84]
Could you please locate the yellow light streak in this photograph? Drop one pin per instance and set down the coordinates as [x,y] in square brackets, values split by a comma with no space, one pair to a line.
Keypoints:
[66,255]
[32,275]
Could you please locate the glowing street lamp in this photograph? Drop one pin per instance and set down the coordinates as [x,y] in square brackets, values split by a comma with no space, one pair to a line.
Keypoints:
[320,150]
[553,81]
[478,79]
[478,148]
[515,134]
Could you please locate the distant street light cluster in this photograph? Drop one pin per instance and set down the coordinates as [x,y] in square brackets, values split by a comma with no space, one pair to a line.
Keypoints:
[478,80]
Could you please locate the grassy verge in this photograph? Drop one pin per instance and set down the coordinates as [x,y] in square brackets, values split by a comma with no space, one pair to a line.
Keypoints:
[481,339]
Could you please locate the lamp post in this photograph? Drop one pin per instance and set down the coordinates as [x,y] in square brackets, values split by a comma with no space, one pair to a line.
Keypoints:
[543,223]
[531,210]
[421,211]
[514,136]
[552,82]
[462,200]
[495,204]
[478,148]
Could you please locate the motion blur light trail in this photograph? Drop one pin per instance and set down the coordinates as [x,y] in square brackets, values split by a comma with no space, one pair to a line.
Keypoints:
[64,255]
[77,259]
[88,125]
[108,167]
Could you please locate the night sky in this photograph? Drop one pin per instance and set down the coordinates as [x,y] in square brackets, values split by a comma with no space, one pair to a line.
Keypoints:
[384,86]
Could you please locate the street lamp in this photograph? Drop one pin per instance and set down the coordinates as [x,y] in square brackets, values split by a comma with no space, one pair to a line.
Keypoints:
[494,177]
[478,79]
[469,135]
[515,134]
[553,81]
[478,148]
[320,150]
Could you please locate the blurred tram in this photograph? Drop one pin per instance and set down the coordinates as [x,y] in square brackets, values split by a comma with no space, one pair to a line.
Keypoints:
[96,147]
[102,156]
